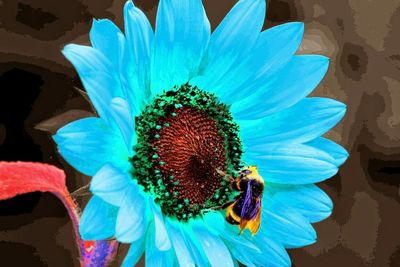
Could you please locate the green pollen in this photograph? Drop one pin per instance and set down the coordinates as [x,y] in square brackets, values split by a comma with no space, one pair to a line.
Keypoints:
[166,185]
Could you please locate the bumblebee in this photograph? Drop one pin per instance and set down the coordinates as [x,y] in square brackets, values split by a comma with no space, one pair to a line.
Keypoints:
[245,210]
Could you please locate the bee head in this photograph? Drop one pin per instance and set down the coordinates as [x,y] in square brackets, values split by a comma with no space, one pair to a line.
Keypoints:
[250,170]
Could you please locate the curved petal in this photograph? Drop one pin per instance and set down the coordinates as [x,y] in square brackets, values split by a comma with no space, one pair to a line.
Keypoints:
[183,253]
[245,256]
[120,111]
[215,222]
[293,164]
[280,222]
[307,120]
[273,50]
[234,37]
[97,74]
[182,34]
[106,37]
[87,144]
[110,184]
[136,58]
[155,257]
[213,246]
[309,200]
[98,220]
[133,215]
[162,240]
[338,153]
[196,249]
[135,252]
[273,253]
[277,91]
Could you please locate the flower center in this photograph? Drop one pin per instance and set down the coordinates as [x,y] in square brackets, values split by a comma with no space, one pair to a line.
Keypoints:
[184,136]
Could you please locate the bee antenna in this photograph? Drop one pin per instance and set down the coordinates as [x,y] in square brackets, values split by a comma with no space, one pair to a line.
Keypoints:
[245,163]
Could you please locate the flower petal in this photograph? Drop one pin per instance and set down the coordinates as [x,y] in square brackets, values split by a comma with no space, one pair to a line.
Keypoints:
[245,256]
[135,252]
[293,164]
[273,50]
[98,220]
[183,253]
[234,37]
[309,200]
[123,118]
[338,153]
[182,34]
[280,222]
[213,246]
[162,241]
[133,215]
[97,75]
[136,58]
[273,253]
[107,38]
[155,257]
[215,222]
[87,144]
[109,184]
[307,120]
[277,91]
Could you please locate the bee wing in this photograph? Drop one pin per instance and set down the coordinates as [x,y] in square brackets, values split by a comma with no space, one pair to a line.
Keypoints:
[247,201]
[253,224]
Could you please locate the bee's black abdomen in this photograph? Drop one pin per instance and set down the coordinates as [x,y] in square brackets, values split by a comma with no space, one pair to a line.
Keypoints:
[230,220]
[257,188]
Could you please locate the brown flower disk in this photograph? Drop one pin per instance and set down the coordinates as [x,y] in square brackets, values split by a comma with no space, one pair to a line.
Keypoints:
[191,149]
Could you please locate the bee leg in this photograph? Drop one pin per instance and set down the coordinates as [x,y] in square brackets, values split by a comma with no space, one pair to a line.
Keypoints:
[225,175]
[224,206]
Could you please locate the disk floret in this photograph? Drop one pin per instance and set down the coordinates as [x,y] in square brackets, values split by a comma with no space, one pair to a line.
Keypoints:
[184,136]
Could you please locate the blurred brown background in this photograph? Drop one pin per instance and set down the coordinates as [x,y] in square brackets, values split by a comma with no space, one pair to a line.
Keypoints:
[362,38]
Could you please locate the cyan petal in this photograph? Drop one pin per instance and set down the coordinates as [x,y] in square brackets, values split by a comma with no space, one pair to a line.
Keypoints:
[97,74]
[273,253]
[305,121]
[123,118]
[98,220]
[110,183]
[215,249]
[273,50]
[335,150]
[231,234]
[215,222]
[155,257]
[183,253]
[106,37]
[309,200]
[245,256]
[136,58]
[135,252]
[182,35]
[276,91]
[282,223]
[133,215]
[162,241]
[87,144]
[242,247]
[292,164]
[234,37]
[193,245]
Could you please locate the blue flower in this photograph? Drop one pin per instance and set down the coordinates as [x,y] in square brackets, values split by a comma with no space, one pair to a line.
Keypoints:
[179,105]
